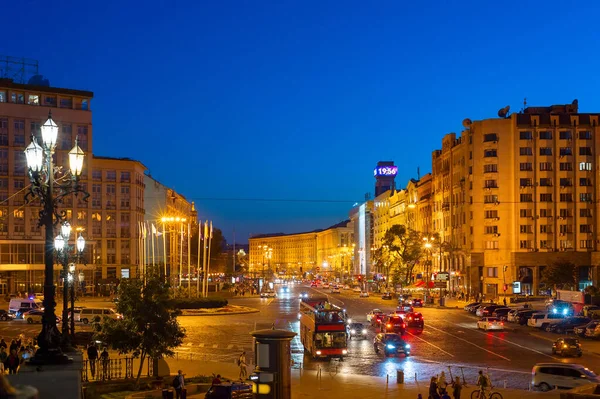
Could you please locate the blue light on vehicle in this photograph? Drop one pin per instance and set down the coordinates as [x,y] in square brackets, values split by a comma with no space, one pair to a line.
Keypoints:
[391,347]
[407,346]
[554,310]
[565,311]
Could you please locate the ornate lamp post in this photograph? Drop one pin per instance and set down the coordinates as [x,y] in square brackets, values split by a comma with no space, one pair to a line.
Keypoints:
[50,187]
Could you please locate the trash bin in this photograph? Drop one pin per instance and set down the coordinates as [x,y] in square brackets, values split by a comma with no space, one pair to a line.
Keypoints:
[400,376]
[167,394]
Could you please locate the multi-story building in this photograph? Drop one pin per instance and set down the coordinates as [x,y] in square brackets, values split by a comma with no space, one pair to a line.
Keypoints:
[326,251]
[361,217]
[170,212]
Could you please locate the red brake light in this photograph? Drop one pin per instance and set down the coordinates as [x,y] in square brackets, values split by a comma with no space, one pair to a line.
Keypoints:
[403,325]
[388,325]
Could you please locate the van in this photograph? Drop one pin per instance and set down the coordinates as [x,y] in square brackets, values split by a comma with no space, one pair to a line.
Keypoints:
[18,306]
[546,376]
[91,315]
[543,320]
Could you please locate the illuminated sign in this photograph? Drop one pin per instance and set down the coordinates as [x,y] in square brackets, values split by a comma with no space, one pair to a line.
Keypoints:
[386,171]
[516,287]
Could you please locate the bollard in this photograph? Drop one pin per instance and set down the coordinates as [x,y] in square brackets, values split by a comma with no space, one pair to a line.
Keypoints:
[504,384]
[387,379]
[415,377]
[399,376]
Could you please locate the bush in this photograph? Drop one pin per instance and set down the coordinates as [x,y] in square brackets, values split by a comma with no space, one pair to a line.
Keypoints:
[198,303]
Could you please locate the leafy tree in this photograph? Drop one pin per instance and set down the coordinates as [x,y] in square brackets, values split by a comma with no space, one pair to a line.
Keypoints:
[591,290]
[404,246]
[217,246]
[561,274]
[149,325]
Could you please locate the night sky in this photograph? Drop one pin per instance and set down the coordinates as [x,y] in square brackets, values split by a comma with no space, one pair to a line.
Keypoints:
[230,101]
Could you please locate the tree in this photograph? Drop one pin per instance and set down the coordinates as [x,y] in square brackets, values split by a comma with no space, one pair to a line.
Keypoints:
[404,246]
[561,274]
[149,325]
[217,246]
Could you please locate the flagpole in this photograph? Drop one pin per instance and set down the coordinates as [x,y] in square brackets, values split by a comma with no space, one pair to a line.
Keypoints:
[164,250]
[208,260]
[180,252]
[205,275]
[189,263]
[198,260]
[154,231]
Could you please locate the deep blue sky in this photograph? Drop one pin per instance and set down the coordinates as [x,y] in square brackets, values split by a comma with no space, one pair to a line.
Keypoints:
[300,99]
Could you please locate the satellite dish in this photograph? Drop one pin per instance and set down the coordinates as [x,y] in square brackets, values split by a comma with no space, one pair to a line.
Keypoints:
[503,112]
[467,123]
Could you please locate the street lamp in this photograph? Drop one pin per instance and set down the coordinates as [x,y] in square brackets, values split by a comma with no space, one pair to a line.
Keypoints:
[50,188]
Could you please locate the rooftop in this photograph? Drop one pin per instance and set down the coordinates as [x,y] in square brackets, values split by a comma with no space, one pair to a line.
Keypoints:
[271,235]
[10,84]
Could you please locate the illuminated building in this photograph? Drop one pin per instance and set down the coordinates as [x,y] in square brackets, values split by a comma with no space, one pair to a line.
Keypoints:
[385,172]
[325,251]
[361,217]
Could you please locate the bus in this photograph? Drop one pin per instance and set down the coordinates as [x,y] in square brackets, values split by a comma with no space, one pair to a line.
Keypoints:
[323,328]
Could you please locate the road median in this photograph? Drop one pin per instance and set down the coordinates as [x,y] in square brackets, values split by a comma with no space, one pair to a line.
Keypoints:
[228,310]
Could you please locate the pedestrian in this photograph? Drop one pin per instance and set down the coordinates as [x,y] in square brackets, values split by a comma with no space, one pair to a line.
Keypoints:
[105,360]
[3,344]
[242,363]
[13,346]
[504,301]
[217,380]
[3,355]
[433,389]
[441,383]
[92,353]
[12,362]
[179,385]
[457,388]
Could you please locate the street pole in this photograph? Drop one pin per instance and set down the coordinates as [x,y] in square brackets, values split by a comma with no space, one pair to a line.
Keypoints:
[189,258]
[198,260]
[164,249]
[73,307]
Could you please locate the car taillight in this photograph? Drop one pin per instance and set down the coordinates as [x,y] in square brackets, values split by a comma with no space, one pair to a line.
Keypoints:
[388,325]
[403,325]
[501,323]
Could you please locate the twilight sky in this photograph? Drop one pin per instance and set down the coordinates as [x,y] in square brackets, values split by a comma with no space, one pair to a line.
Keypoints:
[230,101]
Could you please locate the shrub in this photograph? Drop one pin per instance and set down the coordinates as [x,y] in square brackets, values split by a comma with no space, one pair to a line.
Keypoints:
[198,303]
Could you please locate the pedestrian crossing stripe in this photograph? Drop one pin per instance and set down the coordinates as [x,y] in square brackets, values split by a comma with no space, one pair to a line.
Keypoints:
[215,346]
[230,346]
[202,345]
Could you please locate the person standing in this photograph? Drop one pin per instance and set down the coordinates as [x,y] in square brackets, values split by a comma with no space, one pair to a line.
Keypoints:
[179,385]
[105,359]
[242,364]
[12,362]
[433,389]
[92,353]
[457,388]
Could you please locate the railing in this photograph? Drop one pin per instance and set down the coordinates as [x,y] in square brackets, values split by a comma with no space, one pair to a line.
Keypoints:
[113,369]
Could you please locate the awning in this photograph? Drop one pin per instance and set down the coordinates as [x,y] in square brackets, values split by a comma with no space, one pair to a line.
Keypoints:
[421,284]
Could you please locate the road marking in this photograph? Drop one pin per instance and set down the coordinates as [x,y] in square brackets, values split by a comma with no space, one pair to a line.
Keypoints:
[518,345]
[429,343]
[230,346]
[202,345]
[471,366]
[215,346]
[471,343]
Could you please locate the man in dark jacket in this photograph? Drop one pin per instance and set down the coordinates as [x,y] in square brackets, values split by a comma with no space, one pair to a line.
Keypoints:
[92,353]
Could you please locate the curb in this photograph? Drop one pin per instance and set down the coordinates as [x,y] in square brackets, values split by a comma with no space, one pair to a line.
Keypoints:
[221,314]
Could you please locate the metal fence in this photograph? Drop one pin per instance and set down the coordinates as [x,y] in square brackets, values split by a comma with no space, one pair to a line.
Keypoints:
[115,369]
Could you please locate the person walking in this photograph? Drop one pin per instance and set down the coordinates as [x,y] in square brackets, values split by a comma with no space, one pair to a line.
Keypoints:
[242,364]
[105,360]
[433,389]
[457,388]
[92,353]
[179,385]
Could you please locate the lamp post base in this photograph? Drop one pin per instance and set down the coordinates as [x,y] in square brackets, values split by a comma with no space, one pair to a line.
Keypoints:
[50,352]
[43,358]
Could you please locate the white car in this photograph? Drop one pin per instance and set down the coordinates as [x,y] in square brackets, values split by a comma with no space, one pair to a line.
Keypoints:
[346,287]
[363,294]
[356,289]
[373,313]
[335,290]
[543,320]
[546,376]
[490,323]
[326,285]
[268,294]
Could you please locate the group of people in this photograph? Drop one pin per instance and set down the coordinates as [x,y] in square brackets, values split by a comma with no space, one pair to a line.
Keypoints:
[13,355]
[438,387]
[94,357]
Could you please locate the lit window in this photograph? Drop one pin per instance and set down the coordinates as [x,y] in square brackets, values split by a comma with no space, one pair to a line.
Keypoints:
[2,96]
[33,99]
[585,166]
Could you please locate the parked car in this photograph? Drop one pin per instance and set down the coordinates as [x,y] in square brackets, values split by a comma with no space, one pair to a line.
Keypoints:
[35,316]
[490,323]
[470,306]
[546,376]
[230,390]
[580,330]
[568,324]
[589,310]
[363,294]
[414,319]
[486,311]
[77,313]
[19,306]
[95,315]
[561,307]
[523,316]
[387,296]
[390,344]
[542,320]
[373,313]
[566,347]
[5,316]
[501,313]
[357,330]
[475,308]
[593,332]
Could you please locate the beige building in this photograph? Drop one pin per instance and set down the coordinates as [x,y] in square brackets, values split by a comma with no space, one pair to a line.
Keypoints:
[320,251]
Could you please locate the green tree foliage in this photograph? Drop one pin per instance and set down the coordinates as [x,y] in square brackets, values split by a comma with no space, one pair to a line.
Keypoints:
[591,290]
[149,325]
[404,246]
[562,275]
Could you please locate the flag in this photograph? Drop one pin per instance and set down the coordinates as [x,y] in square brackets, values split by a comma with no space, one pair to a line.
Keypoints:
[206,230]
[144,230]
[155,231]
[211,230]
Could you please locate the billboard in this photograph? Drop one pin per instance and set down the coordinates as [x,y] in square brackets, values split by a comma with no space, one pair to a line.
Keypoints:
[390,171]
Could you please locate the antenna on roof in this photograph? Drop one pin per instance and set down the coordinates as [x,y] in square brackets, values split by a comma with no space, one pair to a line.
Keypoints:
[524,104]
[418,173]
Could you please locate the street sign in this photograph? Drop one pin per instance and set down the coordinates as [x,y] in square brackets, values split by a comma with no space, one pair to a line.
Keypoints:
[442,276]
[440,284]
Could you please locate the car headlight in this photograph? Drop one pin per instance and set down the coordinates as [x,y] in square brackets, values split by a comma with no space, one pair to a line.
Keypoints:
[318,353]
[407,346]
[352,331]
[554,310]
[565,311]
[364,331]
[344,352]
[391,346]
[349,321]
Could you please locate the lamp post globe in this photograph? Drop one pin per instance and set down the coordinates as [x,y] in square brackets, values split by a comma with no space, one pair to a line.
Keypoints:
[65,231]
[59,243]
[49,133]
[80,243]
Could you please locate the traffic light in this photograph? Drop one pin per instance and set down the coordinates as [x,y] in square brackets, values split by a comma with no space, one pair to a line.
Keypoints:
[505,287]
[300,269]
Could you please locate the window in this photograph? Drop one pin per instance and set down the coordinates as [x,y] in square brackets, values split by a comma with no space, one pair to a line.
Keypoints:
[543,244]
[586,135]
[125,177]
[81,215]
[564,228]
[546,182]
[566,166]
[565,151]
[585,150]
[111,189]
[490,168]
[585,197]
[65,137]
[525,182]
[18,98]
[545,213]
[545,165]
[526,198]
[82,137]
[585,166]
[565,213]
[490,137]
[585,244]
[584,181]
[566,197]
[96,174]
[524,244]
[491,184]
[585,228]
[2,96]
[111,175]
[525,151]
[491,214]
[546,197]
[66,103]
[491,229]
[585,213]
[546,228]
[490,153]
[525,228]
[546,135]
[490,199]
[50,100]
[526,166]
[565,135]
[545,151]
[566,182]
[525,135]
[491,245]
[33,99]
[566,244]
[19,132]
[492,271]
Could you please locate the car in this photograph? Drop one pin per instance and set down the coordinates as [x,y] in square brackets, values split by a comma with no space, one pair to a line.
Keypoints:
[393,324]
[5,316]
[417,303]
[303,295]
[486,311]
[546,376]
[313,284]
[566,346]
[490,323]
[377,319]
[326,285]
[390,344]
[567,325]
[405,308]
[335,290]
[543,320]
[580,330]
[357,330]
[346,287]
[268,294]
[588,310]
[387,296]
[284,289]
[356,289]
[593,332]
[373,313]
[469,307]
[363,294]
[35,316]
[95,315]
[561,307]
[77,313]
[511,315]
[414,319]
[501,313]
[230,390]
[523,316]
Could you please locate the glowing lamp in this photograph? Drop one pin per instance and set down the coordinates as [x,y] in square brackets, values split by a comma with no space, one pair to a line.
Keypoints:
[59,243]
[49,133]
[76,156]
[80,243]
[34,155]
[65,230]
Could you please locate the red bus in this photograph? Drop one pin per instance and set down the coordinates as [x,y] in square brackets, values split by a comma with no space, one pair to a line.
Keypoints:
[323,328]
